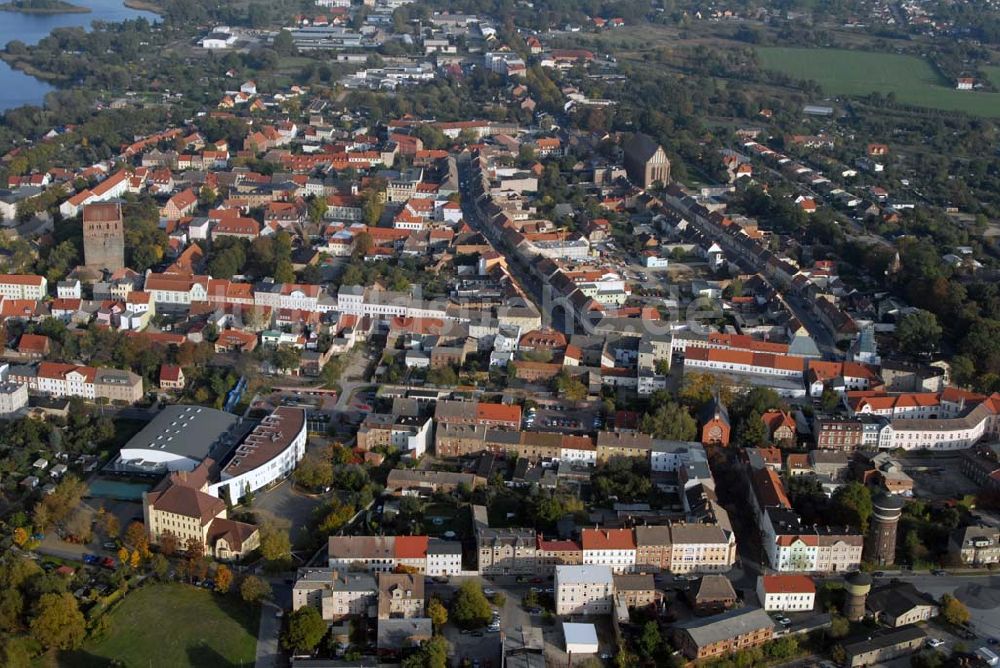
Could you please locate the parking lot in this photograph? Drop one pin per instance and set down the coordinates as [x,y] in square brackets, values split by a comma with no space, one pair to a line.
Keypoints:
[938,476]
[560,417]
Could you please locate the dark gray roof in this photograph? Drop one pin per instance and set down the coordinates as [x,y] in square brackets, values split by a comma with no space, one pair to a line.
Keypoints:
[901,635]
[641,146]
[187,431]
[897,599]
[717,628]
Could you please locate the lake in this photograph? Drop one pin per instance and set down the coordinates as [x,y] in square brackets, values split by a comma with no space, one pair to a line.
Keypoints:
[17,88]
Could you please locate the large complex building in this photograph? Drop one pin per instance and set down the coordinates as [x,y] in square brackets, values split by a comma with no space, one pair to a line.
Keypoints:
[267,454]
[181,507]
[179,438]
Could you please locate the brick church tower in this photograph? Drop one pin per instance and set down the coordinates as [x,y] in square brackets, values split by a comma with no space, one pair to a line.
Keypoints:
[103,236]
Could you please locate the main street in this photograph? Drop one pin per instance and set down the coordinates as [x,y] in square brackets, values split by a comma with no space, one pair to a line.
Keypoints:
[530,284]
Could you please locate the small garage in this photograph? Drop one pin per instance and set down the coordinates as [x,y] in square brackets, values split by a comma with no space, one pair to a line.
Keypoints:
[580,638]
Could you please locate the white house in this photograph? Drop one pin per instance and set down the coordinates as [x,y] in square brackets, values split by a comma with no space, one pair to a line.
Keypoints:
[786,593]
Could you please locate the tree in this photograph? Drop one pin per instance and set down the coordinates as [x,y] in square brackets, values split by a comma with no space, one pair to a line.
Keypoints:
[471,609]
[58,622]
[829,400]
[919,333]
[137,538]
[254,590]
[223,579]
[283,271]
[839,627]
[954,611]
[438,613]
[314,472]
[305,629]
[570,388]
[650,640]
[670,421]
[20,536]
[168,543]
[363,244]
[159,566]
[284,45]
[14,652]
[317,210]
[433,653]
[852,504]
[752,431]
[275,544]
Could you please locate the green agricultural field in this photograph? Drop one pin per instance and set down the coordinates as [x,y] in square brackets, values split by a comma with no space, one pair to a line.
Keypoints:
[993,74]
[168,625]
[844,72]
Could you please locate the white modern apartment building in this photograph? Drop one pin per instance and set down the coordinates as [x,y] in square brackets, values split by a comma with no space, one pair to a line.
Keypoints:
[584,590]
[268,453]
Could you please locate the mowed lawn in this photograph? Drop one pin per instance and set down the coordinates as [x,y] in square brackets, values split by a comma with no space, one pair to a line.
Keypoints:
[845,72]
[169,625]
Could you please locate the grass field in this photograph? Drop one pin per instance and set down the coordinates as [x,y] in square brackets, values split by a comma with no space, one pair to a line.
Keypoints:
[168,625]
[844,72]
[993,74]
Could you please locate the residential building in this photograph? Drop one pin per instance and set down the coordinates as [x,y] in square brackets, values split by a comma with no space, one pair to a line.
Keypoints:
[584,590]
[786,593]
[13,397]
[444,557]
[336,594]
[975,545]
[614,548]
[636,590]
[23,286]
[506,551]
[375,554]
[711,595]
[724,634]
[701,548]
[653,549]
[552,553]
[400,595]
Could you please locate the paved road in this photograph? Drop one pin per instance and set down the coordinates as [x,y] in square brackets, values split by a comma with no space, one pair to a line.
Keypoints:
[268,655]
[529,285]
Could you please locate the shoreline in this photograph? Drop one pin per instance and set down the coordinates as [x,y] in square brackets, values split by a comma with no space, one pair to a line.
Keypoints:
[46,11]
[144,6]
[16,63]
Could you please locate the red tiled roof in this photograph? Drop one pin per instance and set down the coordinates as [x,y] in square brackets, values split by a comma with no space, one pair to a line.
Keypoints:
[607,539]
[788,584]
[410,547]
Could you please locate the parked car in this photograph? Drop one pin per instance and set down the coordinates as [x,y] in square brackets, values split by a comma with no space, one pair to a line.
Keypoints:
[934,643]
[91,559]
[108,563]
